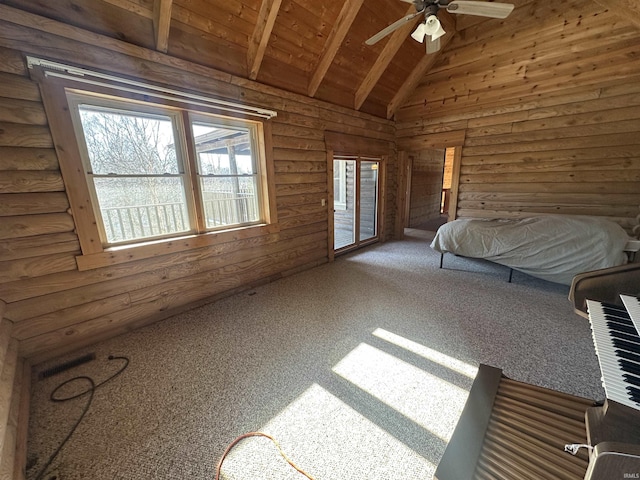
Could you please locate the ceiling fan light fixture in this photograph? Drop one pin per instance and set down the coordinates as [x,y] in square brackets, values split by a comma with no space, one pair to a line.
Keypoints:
[419,33]
[433,28]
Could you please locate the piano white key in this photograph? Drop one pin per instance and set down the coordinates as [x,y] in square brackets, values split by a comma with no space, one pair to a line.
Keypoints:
[612,372]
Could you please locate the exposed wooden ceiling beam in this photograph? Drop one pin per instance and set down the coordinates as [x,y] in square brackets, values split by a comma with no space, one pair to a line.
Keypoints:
[338,32]
[161,22]
[261,33]
[425,64]
[629,9]
[390,49]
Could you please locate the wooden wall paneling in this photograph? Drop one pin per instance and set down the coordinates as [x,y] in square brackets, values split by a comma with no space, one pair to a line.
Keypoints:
[19,87]
[194,288]
[30,203]
[19,158]
[12,62]
[19,181]
[29,225]
[36,266]
[67,317]
[19,135]
[102,283]
[22,111]
[35,246]
[604,128]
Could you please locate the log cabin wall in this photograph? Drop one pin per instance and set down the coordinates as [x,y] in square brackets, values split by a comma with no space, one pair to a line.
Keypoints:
[548,114]
[53,306]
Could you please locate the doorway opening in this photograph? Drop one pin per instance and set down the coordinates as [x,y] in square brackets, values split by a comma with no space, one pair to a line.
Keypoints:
[356,193]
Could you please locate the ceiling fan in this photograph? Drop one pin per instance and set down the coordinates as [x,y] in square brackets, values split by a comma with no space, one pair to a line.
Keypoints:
[431,27]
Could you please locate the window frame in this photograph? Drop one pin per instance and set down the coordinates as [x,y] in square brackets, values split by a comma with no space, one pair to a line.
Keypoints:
[93,253]
[75,99]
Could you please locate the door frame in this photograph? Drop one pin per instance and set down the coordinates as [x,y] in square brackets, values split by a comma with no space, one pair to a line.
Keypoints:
[338,143]
[403,194]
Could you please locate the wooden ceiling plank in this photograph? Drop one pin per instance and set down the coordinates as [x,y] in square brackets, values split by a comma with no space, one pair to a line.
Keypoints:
[390,49]
[628,9]
[161,23]
[340,29]
[260,38]
[132,7]
[424,65]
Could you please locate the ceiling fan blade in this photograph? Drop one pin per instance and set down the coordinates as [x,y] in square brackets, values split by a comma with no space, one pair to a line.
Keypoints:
[394,26]
[482,9]
[432,45]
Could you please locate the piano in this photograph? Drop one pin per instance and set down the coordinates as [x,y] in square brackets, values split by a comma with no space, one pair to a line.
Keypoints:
[511,430]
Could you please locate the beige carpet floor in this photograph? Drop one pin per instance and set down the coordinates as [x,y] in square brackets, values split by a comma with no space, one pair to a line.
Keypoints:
[359,368]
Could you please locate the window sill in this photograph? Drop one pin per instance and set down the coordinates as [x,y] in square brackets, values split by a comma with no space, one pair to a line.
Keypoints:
[157,248]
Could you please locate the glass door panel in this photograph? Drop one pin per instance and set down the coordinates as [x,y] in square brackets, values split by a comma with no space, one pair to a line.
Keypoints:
[344,204]
[368,200]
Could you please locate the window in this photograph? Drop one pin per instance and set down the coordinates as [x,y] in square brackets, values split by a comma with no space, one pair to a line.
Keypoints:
[145,184]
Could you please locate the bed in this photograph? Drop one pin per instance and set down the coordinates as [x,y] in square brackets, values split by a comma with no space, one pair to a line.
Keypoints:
[550,247]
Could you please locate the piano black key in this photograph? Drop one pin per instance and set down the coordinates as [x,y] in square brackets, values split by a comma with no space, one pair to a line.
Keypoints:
[630,367]
[616,312]
[624,336]
[624,345]
[622,327]
[633,379]
[633,390]
[628,355]
[619,319]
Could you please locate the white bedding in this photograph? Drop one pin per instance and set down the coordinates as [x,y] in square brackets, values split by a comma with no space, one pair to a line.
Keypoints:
[551,247]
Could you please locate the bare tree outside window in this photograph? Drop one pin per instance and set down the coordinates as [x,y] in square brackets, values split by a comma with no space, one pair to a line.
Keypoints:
[137,177]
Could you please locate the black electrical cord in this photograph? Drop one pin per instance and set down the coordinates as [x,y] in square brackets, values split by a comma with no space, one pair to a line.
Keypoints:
[91,390]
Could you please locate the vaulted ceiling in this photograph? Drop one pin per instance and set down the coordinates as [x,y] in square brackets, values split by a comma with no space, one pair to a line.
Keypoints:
[314,48]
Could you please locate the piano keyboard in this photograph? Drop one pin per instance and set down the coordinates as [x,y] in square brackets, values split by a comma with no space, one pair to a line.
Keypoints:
[617,344]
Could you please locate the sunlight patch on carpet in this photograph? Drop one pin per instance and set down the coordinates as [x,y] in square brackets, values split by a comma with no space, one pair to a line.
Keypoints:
[329,440]
[428,353]
[428,400]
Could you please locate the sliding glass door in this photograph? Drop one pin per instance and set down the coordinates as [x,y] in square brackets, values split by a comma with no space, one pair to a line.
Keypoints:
[356,192]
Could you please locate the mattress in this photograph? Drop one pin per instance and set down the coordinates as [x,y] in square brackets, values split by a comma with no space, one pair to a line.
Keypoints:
[551,247]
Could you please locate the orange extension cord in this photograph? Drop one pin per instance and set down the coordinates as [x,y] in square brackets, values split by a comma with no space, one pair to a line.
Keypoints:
[258,434]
